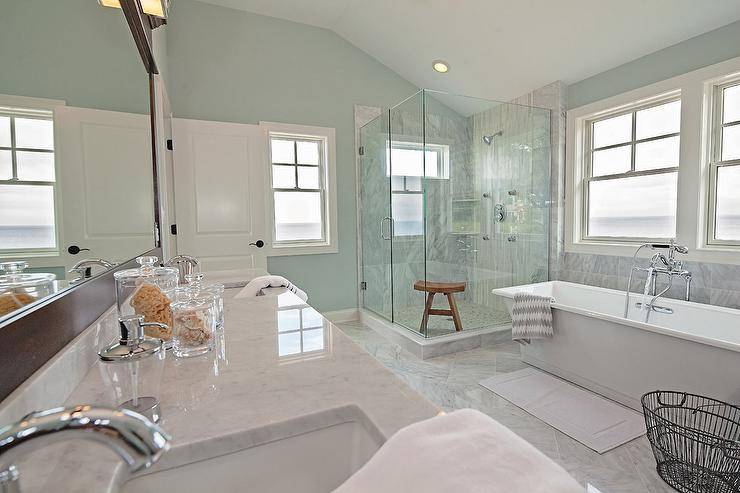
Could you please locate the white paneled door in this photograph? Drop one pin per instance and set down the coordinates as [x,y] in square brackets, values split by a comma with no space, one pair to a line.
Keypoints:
[219,193]
[105,181]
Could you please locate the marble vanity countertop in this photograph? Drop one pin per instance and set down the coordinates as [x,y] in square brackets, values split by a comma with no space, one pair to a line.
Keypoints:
[279,361]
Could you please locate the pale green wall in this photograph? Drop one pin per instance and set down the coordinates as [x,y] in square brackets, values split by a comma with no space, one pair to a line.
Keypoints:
[159,44]
[700,51]
[73,50]
[229,65]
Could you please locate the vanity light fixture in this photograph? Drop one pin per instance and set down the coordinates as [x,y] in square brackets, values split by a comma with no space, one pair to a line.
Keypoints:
[441,66]
[156,8]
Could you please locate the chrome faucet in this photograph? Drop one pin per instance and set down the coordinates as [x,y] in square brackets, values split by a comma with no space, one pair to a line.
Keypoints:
[138,441]
[83,268]
[660,263]
[185,264]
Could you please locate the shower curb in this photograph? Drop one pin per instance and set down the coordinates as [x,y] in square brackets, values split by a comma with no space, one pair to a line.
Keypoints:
[424,348]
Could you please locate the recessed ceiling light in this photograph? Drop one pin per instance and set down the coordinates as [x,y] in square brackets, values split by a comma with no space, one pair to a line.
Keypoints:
[441,66]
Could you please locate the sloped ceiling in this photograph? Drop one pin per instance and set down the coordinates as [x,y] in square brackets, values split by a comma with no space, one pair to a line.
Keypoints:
[501,49]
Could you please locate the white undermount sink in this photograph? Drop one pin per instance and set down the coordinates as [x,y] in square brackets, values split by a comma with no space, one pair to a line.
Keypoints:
[316,461]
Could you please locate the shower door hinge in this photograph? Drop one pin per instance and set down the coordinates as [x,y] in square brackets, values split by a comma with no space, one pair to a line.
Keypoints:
[363,285]
[361,150]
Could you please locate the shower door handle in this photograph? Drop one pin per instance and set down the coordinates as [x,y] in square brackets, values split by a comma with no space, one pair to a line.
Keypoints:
[382,228]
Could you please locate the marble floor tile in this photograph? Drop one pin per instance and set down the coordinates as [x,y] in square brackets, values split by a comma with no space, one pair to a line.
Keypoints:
[451,382]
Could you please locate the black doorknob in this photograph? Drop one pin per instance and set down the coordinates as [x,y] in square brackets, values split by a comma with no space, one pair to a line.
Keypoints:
[74,250]
[258,243]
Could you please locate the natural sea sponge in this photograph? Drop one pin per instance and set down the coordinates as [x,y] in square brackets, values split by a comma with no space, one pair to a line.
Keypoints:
[191,327]
[10,302]
[154,305]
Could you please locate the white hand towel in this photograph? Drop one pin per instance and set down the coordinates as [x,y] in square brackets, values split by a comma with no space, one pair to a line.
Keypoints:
[464,451]
[531,317]
[256,285]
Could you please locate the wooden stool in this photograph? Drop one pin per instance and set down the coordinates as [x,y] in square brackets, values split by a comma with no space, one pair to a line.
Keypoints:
[446,288]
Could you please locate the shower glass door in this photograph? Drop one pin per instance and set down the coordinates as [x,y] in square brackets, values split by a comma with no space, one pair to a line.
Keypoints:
[375,218]
[407,159]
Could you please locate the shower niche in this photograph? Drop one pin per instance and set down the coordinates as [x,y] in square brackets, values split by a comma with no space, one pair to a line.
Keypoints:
[436,171]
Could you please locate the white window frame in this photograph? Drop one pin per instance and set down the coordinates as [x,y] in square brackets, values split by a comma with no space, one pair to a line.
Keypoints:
[327,169]
[693,211]
[35,107]
[715,109]
[587,162]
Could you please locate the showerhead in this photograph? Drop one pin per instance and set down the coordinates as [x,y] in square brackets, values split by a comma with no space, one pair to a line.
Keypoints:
[488,139]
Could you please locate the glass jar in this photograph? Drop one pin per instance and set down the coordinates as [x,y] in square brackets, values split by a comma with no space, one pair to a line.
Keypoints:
[132,368]
[143,291]
[195,281]
[18,288]
[193,322]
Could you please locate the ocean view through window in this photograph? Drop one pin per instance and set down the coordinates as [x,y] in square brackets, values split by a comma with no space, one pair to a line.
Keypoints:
[631,178]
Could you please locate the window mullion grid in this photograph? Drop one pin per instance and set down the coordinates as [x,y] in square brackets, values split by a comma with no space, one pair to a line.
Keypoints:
[589,165]
[295,162]
[633,164]
[13,157]
[716,162]
[633,145]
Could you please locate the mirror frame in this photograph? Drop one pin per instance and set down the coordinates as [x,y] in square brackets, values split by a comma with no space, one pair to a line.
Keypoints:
[31,338]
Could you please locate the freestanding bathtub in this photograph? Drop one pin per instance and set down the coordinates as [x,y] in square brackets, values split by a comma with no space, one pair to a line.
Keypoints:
[694,349]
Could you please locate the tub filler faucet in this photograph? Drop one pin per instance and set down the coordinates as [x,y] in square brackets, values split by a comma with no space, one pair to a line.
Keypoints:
[661,263]
[134,438]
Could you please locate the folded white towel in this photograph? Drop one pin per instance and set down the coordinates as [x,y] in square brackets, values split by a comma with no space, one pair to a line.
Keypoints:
[256,285]
[464,451]
[531,317]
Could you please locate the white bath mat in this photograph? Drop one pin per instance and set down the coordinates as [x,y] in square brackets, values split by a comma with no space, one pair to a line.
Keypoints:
[598,423]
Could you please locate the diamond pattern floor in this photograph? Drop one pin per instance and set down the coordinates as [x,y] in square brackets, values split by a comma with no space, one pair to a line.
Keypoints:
[451,382]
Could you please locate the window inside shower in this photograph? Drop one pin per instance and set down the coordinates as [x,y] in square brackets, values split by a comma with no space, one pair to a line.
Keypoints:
[413,162]
[452,190]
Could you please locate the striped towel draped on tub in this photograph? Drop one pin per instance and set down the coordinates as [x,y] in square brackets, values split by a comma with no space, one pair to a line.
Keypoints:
[531,317]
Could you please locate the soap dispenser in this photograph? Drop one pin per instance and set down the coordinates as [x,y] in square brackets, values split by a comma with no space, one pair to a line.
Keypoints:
[132,368]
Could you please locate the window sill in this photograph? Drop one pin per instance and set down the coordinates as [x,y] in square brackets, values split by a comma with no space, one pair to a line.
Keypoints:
[286,250]
[26,255]
[621,249]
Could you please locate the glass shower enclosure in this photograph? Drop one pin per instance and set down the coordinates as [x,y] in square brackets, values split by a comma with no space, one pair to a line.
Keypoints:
[453,190]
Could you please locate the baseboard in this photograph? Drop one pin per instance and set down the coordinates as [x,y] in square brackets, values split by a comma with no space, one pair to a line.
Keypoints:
[339,316]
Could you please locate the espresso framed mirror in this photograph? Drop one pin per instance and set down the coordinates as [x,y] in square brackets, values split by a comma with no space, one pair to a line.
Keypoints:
[78,170]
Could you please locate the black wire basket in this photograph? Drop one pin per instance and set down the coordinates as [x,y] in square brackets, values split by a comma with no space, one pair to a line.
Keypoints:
[696,441]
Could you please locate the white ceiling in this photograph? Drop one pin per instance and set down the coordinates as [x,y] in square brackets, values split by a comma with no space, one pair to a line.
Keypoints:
[501,49]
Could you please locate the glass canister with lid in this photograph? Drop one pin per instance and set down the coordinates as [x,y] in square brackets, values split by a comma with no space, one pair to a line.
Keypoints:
[18,288]
[143,291]
[194,315]
[195,281]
